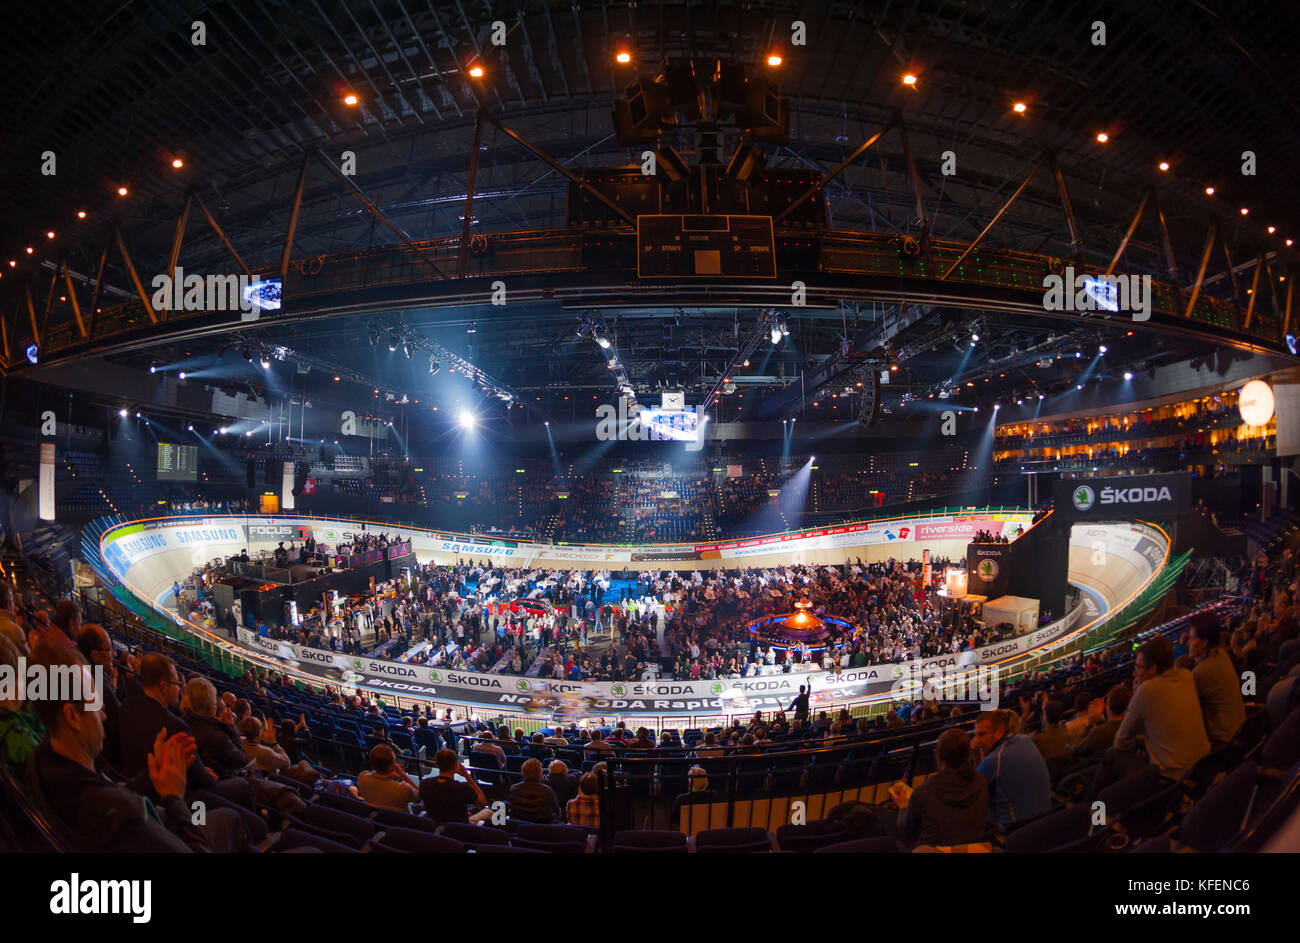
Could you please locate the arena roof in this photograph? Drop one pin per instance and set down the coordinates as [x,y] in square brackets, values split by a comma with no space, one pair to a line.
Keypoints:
[119,92]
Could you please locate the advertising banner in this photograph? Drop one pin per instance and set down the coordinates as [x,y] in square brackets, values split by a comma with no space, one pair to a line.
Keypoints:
[1123,497]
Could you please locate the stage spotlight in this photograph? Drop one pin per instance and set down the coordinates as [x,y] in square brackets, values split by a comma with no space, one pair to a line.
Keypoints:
[408,348]
[434,367]
[466,419]
[137,415]
[1079,386]
[1128,375]
[181,375]
[392,343]
[153,368]
[266,364]
[373,335]
[246,353]
[222,430]
[122,413]
[349,99]
[190,428]
[774,60]
[603,341]
[1102,349]
[476,71]
[776,334]
[623,58]
[974,337]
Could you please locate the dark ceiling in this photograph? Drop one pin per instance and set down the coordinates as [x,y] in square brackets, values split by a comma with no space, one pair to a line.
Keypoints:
[116,90]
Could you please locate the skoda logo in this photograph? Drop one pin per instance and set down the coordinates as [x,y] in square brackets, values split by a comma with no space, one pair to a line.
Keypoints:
[521,684]
[434,676]
[356,663]
[1084,498]
[987,570]
[618,690]
[715,688]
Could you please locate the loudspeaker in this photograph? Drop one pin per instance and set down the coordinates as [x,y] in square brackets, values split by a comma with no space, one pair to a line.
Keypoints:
[869,412]
[299,478]
[250,473]
[268,472]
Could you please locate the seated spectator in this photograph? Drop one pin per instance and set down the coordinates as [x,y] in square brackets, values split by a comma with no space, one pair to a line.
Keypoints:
[1052,741]
[385,785]
[1016,773]
[212,726]
[952,806]
[1218,685]
[710,746]
[448,799]
[260,746]
[532,800]
[563,783]
[106,815]
[1101,737]
[1165,714]
[556,739]
[598,743]
[1087,711]
[426,737]
[699,793]
[486,747]
[643,741]
[142,715]
[584,809]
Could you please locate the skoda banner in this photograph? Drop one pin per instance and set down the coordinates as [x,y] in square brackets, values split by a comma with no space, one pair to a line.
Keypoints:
[1123,498]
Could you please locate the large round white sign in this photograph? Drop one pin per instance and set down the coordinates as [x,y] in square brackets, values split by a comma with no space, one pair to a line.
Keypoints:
[1256,403]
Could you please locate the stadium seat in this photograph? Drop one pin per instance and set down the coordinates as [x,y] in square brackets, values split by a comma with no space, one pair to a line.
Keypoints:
[474,836]
[335,825]
[1283,747]
[879,845]
[391,818]
[418,842]
[732,841]
[559,838]
[293,839]
[1223,811]
[1050,831]
[344,804]
[650,842]
[806,838]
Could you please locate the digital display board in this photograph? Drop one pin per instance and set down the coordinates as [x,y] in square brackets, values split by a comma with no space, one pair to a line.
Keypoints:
[178,462]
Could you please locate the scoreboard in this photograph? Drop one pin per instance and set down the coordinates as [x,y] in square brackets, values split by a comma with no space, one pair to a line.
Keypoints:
[721,246]
[177,462]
